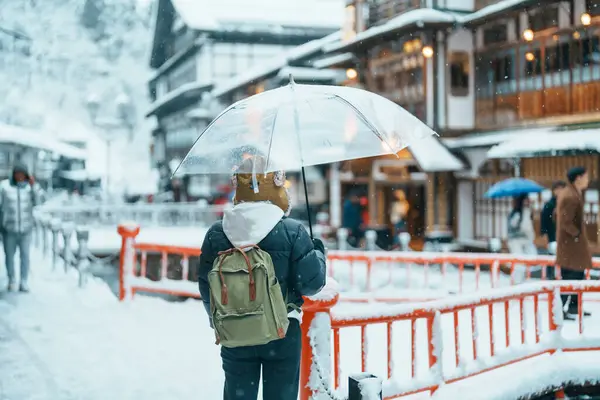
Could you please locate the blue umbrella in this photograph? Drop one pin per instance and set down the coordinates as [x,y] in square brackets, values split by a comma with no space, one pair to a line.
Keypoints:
[513,187]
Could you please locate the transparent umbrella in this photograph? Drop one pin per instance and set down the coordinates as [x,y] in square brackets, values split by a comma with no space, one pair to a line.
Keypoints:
[301,125]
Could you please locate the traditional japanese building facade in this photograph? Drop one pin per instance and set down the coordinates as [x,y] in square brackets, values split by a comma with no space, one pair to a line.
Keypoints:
[198,45]
[511,86]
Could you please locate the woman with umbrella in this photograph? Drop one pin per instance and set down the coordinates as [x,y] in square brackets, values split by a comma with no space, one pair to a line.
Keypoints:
[282,129]
[521,234]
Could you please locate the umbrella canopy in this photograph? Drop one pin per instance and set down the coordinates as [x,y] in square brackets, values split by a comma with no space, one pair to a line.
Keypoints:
[301,125]
[513,187]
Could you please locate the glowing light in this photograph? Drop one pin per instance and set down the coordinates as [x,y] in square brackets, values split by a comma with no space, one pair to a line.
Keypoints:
[351,73]
[586,19]
[427,51]
[529,56]
[528,35]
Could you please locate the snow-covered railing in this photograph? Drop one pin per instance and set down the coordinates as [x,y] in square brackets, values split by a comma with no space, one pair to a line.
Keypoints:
[162,214]
[439,349]
[384,268]
[50,236]
[134,276]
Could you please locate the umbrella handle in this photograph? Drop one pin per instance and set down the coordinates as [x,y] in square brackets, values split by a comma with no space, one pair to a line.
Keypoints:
[307,204]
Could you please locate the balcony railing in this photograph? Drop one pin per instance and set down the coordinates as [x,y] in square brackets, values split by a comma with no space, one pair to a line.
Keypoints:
[383,11]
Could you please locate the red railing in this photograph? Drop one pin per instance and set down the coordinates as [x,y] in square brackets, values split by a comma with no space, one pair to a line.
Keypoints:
[539,332]
[376,269]
[384,267]
[424,320]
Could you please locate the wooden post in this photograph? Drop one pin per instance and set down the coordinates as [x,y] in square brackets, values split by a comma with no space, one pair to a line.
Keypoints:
[128,234]
[67,234]
[310,309]
[55,229]
[83,236]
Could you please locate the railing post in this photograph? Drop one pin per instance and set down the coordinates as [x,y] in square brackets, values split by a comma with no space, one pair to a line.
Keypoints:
[342,238]
[365,386]
[67,233]
[128,234]
[371,237]
[83,236]
[55,229]
[404,239]
[45,222]
[313,309]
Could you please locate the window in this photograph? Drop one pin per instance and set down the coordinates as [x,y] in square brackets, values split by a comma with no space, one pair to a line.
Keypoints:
[459,73]
[184,73]
[544,18]
[495,34]
[503,69]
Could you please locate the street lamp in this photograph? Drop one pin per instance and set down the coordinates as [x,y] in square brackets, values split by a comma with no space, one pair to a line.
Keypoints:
[351,73]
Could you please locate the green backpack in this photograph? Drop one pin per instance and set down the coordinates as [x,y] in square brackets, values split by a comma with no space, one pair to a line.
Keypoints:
[246,302]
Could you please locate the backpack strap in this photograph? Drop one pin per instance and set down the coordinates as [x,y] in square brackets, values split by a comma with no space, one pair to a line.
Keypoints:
[224,255]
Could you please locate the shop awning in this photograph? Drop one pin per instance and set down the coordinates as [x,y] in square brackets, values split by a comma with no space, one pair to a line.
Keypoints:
[548,143]
[433,156]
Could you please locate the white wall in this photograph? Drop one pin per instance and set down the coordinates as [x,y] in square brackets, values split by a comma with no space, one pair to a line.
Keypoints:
[204,72]
[461,109]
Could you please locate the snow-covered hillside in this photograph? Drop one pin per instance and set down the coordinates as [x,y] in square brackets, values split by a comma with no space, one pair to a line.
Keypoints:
[78,51]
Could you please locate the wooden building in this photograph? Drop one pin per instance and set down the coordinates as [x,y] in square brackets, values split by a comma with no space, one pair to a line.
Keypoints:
[511,86]
[199,45]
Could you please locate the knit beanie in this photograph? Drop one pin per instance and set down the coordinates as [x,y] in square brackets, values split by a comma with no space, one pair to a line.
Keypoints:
[252,184]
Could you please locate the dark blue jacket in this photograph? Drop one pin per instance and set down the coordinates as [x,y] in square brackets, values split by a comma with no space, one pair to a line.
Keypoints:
[300,268]
[548,221]
[351,218]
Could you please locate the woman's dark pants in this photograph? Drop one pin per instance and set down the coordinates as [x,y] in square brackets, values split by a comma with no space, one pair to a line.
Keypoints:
[280,362]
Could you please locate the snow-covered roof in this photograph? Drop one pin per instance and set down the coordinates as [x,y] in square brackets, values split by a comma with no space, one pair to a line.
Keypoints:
[486,139]
[201,113]
[431,155]
[417,17]
[39,140]
[172,95]
[550,142]
[494,9]
[273,65]
[333,60]
[309,74]
[213,15]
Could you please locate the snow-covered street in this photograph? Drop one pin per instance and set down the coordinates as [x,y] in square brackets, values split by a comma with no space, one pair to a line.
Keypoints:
[61,342]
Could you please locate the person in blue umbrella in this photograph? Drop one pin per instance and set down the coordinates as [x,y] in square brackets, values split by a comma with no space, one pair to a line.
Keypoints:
[521,233]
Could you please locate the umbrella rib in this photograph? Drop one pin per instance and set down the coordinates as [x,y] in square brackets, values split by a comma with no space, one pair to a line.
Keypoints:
[365,120]
[271,140]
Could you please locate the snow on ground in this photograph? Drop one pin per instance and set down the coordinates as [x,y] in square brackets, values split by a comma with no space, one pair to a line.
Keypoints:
[61,342]
[108,241]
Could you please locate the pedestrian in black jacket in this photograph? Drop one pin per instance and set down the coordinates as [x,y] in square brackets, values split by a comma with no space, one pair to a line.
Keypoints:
[548,222]
[259,217]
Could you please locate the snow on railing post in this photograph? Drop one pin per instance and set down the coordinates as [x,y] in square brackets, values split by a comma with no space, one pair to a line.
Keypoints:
[128,232]
[365,386]
[83,236]
[371,237]
[67,234]
[556,316]
[45,225]
[316,342]
[55,229]
[404,239]
[342,238]
[437,347]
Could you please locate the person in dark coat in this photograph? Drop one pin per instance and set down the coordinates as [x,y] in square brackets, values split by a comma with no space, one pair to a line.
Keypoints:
[352,218]
[573,253]
[548,222]
[259,216]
